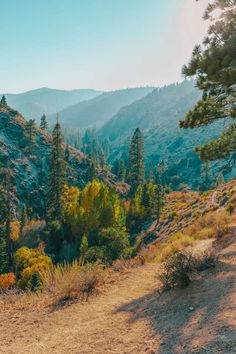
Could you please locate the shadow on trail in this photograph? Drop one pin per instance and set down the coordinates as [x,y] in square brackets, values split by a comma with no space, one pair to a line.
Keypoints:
[189,320]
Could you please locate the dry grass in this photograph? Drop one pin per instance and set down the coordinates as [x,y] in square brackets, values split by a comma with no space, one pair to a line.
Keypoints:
[65,282]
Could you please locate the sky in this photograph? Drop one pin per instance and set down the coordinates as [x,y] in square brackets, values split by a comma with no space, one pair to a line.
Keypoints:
[99,44]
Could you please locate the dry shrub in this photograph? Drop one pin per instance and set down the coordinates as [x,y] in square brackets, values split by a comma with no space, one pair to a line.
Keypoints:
[177,242]
[175,271]
[66,281]
[211,225]
[178,269]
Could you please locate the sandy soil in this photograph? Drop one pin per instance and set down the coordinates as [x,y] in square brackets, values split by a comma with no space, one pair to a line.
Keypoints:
[131,317]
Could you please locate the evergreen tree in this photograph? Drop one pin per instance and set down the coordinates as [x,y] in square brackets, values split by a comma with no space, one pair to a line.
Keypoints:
[150,172]
[67,153]
[214,67]
[136,161]
[57,175]
[160,172]
[30,129]
[92,169]
[6,244]
[3,101]
[23,218]
[43,122]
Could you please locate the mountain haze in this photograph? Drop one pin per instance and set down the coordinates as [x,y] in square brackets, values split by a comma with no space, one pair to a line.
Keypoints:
[100,109]
[158,115]
[33,104]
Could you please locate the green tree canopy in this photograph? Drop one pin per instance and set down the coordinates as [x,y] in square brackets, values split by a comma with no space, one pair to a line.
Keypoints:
[136,160]
[213,65]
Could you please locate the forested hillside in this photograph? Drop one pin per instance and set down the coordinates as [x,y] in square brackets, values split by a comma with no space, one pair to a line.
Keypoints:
[25,151]
[158,115]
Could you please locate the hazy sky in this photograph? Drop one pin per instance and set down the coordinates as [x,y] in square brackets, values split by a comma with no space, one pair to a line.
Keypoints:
[102,44]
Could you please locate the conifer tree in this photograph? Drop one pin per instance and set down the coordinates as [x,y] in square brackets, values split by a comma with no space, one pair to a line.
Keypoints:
[57,175]
[136,161]
[213,66]
[30,129]
[43,122]
[6,245]
[3,101]
[3,236]
[23,218]
[67,153]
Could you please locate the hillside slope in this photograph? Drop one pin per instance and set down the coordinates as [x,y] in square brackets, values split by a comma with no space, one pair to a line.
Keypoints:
[158,115]
[30,168]
[130,313]
[33,104]
[98,110]
[131,317]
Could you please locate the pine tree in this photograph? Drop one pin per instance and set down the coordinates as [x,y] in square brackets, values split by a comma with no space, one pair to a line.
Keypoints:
[92,169]
[67,153]
[3,237]
[3,101]
[150,172]
[23,218]
[30,129]
[160,172]
[43,122]
[57,175]
[136,161]
[213,66]
[6,245]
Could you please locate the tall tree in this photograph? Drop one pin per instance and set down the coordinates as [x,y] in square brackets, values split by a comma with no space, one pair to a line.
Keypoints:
[30,129]
[57,175]
[214,67]
[136,160]
[43,122]
[6,210]
[3,101]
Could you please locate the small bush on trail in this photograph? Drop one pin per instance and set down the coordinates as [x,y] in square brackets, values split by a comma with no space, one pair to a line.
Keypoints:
[180,266]
[175,271]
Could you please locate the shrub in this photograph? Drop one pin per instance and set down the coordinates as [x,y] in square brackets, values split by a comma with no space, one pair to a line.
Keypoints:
[180,266]
[7,280]
[28,262]
[91,278]
[66,281]
[175,271]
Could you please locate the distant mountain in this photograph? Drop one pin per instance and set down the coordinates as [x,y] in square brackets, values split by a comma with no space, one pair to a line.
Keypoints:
[33,104]
[158,115]
[98,110]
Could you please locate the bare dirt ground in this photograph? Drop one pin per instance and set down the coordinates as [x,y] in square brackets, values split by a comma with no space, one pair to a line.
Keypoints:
[131,317]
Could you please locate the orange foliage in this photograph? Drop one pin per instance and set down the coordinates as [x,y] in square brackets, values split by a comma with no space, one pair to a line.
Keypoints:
[14,230]
[7,280]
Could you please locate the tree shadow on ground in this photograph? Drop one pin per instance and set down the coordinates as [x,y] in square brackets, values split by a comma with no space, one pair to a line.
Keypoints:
[197,319]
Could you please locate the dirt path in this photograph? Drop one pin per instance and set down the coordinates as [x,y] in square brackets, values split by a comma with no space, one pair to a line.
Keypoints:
[131,317]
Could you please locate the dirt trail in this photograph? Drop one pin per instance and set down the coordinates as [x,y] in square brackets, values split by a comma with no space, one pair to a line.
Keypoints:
[131,317]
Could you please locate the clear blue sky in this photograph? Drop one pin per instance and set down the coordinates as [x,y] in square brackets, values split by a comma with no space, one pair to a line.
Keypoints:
[102,44]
